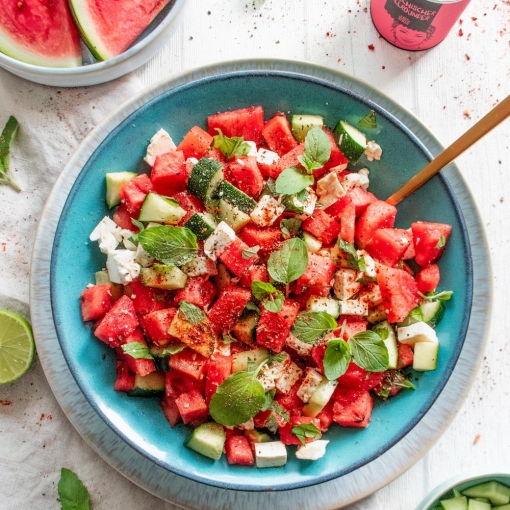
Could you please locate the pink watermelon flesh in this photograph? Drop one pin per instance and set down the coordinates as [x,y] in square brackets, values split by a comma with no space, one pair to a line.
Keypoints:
[117,24]
[39,32]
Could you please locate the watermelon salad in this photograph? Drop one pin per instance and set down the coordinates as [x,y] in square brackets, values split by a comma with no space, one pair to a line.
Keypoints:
[46,33]
[255,284]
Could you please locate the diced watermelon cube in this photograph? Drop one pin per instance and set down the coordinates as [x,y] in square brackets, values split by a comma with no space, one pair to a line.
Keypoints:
[198,291]
[429,241]
[286,161]
[318,353]
[145,299]
[191,406]
[361,199]
[428,278]
[95,301]
[266,238]
[290,402]
[140,366]
[355,378]
[405,356]
[228,307]
[399,292]
[218,368]
[325,417]
[190,363]
[321,225]
[190,203]
[278,135]
[318,273]
[122,218]
[177,382]
[388,245]
[286,435]
[238,451]
[232,257]
[155,325]
[125,378]
[118,323]
[256,273]
[352,408]
[133,192]
[244,173]
[195,143]
[169,175]
[274,328]
[170,410]
[353,324]
[246,122]
[234,432]
[377,215]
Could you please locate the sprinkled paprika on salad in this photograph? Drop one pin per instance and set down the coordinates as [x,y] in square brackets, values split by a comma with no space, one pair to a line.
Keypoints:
[255,283]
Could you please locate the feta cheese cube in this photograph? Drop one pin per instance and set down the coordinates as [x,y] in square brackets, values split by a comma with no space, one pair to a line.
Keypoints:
[417,332]
[309,203]
[309,385]
[267,211]
[160,143]
[142,257]
[345,284]
[253,149]
[190,163]
[354,180]
[265,157]
[266,378]
[302,348]
[272,454]
[371,296]
[289,376]
[222,237]
[312,451]
[353,307]
[329,190]
[122,266]
[369,263]
[109,234]
[373,151]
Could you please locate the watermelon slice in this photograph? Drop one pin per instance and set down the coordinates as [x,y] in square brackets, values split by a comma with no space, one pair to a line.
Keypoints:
[109,27]
[39,32]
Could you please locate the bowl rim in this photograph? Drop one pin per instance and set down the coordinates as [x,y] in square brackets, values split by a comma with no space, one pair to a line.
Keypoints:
[319,72]
[97,67]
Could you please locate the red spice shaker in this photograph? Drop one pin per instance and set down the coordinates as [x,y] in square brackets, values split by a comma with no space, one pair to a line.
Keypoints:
[415,24]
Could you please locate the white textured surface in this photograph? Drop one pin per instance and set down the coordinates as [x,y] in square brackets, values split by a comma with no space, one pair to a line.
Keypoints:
[439,86]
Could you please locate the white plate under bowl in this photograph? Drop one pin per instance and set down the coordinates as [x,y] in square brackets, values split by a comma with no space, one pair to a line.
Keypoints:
[146,46]
[330,495]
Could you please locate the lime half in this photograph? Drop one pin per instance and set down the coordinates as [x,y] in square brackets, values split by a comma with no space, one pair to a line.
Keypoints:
[17,346]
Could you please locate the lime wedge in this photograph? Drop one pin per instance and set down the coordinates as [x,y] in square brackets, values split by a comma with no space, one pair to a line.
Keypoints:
[17,346]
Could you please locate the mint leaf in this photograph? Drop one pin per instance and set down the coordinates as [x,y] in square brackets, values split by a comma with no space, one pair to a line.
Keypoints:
[310,326]
[369,351]
[172,349]
[6,139]
[290,227]
[336,359]
[417,314]
[253,307]
[292,180]
[191,312]
[270,297]
[230,147]
[441,242]
[353,261]
[304,431]
[288,263]
[250,252]
[269,400]
[317,150]
[369,121]
[238,398]
[272,424]
[445,295]
[140,226]
[71,491]
[170,245]
[277,358]
[271,405]
[382,332]
[136,350]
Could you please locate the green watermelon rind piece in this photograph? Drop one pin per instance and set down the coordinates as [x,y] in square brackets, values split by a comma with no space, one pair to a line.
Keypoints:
[88,31]
[17,52]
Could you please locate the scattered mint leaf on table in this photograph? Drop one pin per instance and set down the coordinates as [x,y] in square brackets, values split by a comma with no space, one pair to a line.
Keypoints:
[369,351]
[310,326]
[304,431]
[137,350]
[336,359]
[6,139]
[230,147]
[288,263]
[71,491]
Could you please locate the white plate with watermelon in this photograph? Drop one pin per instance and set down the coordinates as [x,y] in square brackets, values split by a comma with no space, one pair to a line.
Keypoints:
[82,42]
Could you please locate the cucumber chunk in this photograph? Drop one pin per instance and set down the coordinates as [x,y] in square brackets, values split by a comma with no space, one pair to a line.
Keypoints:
[202,225]
[459,503]
[324,304]
[205,178]
[425,356]
[232,216]
[313,245]
[208,439]
[148,385]
[164,277]
[431,311]
[301,124]
[474,504]
[240,359]
[256,436]
[245,328]
[161,209]
[114,182]
[235,197]
[320,397]
[350,140]
[496,492]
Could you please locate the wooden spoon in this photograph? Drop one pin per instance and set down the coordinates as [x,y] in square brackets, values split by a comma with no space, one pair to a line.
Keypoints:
[469,138]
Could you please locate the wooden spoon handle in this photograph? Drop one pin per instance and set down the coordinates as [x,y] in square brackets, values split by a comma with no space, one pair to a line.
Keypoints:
[469,138]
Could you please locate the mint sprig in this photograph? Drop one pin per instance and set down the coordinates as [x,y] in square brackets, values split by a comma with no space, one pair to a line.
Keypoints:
[304,431]
[369,351]
[269,296]
[230,147]
[6,139]
[317,150]
[336,359]
[71,491]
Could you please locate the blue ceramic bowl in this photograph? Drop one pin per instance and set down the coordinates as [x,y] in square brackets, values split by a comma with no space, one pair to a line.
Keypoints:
[140,422]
